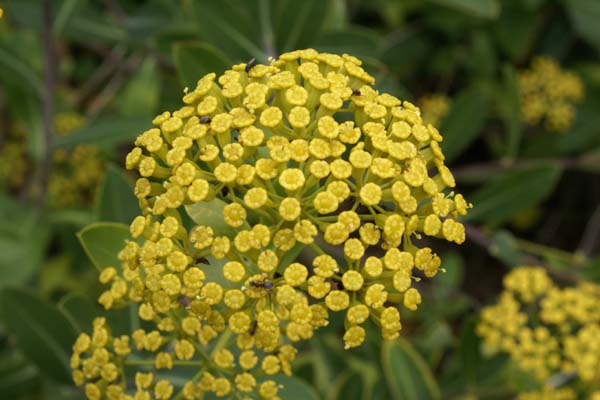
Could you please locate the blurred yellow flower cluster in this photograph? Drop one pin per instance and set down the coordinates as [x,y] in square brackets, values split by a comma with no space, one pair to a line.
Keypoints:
[546,329]
[76,172]
[434,107]
[549,94]
[300,154]
[14,164]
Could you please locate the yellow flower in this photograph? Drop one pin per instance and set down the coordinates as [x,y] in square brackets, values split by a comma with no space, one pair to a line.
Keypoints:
[300,153]
[434,107]
[545,329]
[549,94]
[76,172]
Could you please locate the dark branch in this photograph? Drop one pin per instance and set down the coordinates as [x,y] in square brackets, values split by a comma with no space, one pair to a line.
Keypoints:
[45,165]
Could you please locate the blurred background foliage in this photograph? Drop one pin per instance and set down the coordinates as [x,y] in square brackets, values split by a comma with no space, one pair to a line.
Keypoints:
[117,63]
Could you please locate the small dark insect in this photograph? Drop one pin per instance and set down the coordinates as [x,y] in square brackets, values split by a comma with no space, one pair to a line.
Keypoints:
[262,283]
[265,285]
[205,120]
[184,301]
[252,329]
[356,92]
[201,261]
[250,65]
[335,285]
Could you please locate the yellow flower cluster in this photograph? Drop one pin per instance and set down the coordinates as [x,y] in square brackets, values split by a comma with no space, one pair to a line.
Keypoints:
[546,329]
[549,93]
[549,393]
[14,164]
[434,107]
[264,161]
[76,172]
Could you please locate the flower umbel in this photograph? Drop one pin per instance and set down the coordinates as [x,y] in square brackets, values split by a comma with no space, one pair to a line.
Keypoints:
[549,93]
[434,107]
[261,163]
[76,172]
[546,329]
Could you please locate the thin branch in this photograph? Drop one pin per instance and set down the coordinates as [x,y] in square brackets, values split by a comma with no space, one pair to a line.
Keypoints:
[478,237]
[494,167]
[113,86]
[111,62]
[482,239]
[50,61]
[591,234]
[115,10]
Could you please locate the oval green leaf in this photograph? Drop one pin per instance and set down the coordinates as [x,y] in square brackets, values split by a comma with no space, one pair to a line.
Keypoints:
[194,60]
[17,375]
[407,374]
[44,334]
[514,191]
[79,310]
[464,122]
[210,213]
[102,242]
[105,132]
[489,9]
[115,201]
[295,388]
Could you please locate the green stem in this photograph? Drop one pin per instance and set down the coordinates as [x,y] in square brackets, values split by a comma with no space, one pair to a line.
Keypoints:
[550,252]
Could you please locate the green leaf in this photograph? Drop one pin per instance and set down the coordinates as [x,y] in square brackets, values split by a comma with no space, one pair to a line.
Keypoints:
[23,240]
[514,191]
[17,375]
[79,310]
[346,385]
[295,388]
[213,270]
[93,26]
[454,274]
[505,248]
[585,15]
[107,131]
[482,60]
[406,55]
[407,374]
[44,334]
[489,9]
[470,357]
[59,391]
[235,28]
[74,217]
[515,30]
[102,241]
[465,121]
[359,42]
[115,201]
[290,256]
[13,68]
[511,111]
[141,95]
[297,24]
[63,15]
[194,60]
[210,213]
